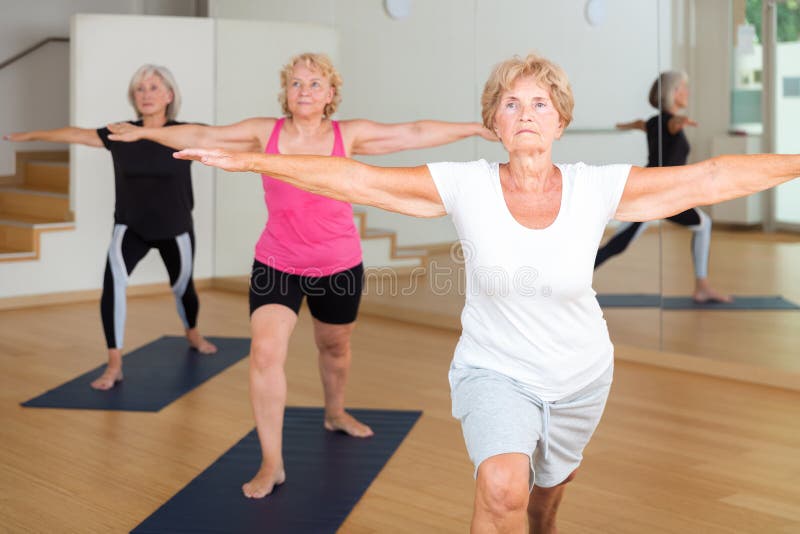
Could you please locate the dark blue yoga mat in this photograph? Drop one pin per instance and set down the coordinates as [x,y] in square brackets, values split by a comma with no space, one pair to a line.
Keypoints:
[155,375]
[326,475]
[633,300]
[739,303]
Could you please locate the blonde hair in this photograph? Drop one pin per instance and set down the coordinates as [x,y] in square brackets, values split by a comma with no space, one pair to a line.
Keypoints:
[669,81]
[545,72]
[318,62]
[169,82]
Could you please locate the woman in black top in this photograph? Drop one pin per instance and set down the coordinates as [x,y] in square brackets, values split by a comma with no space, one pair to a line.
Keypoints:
[667,146]
[153,209]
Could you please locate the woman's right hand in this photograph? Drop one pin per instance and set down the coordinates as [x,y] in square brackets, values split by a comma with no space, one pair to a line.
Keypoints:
[222,159]
[125,131]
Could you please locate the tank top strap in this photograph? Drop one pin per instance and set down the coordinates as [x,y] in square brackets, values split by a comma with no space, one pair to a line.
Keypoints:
[272,144]
[338,141]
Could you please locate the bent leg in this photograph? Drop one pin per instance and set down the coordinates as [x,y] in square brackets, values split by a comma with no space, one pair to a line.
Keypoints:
[501,494]
[700,225]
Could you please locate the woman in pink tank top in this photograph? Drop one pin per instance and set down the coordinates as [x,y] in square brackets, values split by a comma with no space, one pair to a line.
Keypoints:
[310,247]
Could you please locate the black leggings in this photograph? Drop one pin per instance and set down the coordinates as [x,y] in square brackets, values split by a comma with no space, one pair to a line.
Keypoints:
[693,218]
[126,250]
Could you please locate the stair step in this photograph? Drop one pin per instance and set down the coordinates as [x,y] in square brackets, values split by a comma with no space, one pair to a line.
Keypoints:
[17,219]
[18,202]
[16,238]
[9,255]
[50,176]
[403,252]
[378,232]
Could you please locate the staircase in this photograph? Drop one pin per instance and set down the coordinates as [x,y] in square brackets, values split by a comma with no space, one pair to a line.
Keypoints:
[32,201]
[380,249]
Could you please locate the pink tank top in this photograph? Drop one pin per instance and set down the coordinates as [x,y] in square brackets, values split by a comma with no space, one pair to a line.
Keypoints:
[306,234]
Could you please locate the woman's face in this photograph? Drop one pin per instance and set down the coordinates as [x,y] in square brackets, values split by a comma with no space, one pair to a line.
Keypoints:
[682,95]
[308,92]
[152,96]
[526,118]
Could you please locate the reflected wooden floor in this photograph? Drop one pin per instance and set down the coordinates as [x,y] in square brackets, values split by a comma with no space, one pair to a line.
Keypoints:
[675,452]
[741,263]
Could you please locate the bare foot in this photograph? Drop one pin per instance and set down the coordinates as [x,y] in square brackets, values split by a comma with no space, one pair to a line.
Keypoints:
[199,343]
[264,482]
[702,296]
[348,424]
[110,377]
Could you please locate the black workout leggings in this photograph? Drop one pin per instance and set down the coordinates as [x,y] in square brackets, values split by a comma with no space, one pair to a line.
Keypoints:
[126,250]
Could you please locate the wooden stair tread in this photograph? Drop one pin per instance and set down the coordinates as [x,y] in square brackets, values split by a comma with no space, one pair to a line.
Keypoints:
[28,190]
[30,220]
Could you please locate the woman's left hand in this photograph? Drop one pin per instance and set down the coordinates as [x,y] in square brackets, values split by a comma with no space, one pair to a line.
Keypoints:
[223,159]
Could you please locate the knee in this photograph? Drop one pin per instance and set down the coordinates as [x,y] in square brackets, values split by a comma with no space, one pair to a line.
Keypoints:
[265,353]
[338,347]
[705,222]
[502,490]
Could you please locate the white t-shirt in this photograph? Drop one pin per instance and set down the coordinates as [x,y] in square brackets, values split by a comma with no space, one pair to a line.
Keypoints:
[530,310]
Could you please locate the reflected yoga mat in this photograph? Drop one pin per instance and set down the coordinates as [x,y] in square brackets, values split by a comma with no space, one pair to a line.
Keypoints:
[154,376]
[686,303]
[739,303]
[327,473]
[632,300]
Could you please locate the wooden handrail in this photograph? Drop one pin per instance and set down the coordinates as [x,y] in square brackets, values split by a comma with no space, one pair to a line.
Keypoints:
[33,48]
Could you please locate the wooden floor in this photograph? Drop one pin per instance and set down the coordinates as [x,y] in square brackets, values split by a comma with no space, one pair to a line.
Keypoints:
[675,452]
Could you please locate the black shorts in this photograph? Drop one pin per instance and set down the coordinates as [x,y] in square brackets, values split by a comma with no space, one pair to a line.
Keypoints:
[332,299]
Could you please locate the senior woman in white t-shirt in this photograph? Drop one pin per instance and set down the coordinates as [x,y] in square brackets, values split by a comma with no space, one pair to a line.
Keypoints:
[533,367]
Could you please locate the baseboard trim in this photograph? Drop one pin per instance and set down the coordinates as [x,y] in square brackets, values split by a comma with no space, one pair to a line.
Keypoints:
[89,295]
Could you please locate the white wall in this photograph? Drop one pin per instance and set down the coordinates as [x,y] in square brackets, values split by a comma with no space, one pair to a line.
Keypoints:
[703,48]
[251,92]
[35,89]
[434,64]
[102,62]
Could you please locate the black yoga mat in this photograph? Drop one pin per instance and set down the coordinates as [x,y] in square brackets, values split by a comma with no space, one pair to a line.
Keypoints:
[326,475]
[154,376]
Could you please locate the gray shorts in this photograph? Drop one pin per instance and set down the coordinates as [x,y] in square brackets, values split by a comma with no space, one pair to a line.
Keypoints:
[500,415]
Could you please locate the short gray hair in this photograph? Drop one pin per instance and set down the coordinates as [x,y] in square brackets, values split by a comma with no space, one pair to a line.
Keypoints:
[169,81]
[669,81]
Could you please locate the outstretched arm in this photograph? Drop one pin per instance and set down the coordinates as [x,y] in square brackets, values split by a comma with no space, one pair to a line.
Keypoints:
[638,124]
[658,192]
[372,138]
[247,135]
[406,190]
[79,136]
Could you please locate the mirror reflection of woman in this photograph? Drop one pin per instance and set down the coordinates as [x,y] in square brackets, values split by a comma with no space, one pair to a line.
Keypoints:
[667,146]
[152,210]
[533,367]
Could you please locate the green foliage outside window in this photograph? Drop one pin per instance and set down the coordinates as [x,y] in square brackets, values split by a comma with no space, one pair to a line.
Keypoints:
[788,19]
